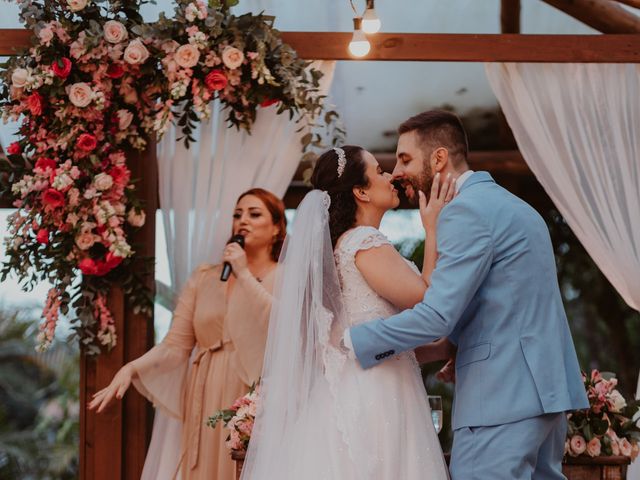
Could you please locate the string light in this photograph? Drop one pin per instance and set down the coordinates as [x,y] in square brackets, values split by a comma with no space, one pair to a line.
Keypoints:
[359,45]
[370,21]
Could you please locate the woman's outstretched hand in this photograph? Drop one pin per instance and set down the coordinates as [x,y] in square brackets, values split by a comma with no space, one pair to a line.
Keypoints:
[116,388]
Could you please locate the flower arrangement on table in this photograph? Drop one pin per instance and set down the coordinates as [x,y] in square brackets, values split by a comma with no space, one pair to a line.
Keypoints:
[95,86]
[239,420]
[609,426]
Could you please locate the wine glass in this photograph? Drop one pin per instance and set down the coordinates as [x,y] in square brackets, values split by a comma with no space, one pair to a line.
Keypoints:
[435,402]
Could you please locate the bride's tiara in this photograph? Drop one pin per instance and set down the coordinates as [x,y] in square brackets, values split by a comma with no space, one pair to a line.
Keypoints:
[342,160]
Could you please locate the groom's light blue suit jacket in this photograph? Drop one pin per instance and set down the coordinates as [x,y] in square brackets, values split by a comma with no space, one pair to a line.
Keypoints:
[494,292]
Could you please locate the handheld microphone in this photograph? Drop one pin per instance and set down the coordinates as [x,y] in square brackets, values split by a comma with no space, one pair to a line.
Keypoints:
[226,268]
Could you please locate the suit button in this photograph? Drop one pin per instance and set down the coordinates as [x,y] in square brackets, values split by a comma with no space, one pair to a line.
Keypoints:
[378,357]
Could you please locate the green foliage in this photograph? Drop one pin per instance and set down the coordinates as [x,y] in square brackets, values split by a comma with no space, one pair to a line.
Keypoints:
[38,405]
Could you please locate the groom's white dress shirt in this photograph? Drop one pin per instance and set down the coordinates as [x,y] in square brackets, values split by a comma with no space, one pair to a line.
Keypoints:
[346,339]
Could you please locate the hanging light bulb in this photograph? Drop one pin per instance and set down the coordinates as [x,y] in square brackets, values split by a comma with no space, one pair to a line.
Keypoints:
[370,21]
[359,45]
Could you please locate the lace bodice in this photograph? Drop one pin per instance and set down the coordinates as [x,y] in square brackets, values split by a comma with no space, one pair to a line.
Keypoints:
[361,302]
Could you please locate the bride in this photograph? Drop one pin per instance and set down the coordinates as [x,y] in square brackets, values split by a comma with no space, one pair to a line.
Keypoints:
[322,416]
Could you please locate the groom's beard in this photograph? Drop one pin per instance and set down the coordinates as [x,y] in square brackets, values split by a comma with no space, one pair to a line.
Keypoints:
[423,182]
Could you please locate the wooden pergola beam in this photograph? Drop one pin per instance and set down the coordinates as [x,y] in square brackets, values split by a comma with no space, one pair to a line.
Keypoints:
[426,47]
[510,16]
[605,16]
[631,3]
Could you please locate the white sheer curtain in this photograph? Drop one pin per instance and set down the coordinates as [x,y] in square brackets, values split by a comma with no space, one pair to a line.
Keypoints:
[199,186]
[578,128]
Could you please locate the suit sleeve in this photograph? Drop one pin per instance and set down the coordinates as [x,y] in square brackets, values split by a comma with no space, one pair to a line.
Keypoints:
[465,250]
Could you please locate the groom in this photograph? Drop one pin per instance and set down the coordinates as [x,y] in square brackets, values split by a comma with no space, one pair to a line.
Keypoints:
[494,293]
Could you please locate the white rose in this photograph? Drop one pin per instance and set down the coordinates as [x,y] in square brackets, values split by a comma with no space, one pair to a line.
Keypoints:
[617,401]
[124,118]
[232,57]
[80,94]
[76,5]
[136,53]
[114,32]
[19,77]
[187,56]
[136,218]
[103,181]
[191,12]
[85,241]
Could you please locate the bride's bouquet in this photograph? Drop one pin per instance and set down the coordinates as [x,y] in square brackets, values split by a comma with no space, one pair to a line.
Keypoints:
[239,420]
[609,427]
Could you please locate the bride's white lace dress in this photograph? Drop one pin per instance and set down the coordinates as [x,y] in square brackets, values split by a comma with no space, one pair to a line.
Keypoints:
[370,424]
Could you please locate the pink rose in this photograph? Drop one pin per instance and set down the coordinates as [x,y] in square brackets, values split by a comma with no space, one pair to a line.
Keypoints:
[136,218]
[85,240]
[114,32]
[615,446]
[216,80]
[625,447]
[187,56]
[80,94]
[53,198]
[136,53]
[578,445]
[14,149]
[62,67]
[86,142]
[103,181]
[76,5]
[46,35]
[42,236]
[635,450]
[124,118]
[594,447]
[34,104]
[19,77]
[232,57]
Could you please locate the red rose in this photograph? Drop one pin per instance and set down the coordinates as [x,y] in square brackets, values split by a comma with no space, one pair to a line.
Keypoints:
[34,103]
[86,142]
[115,70]
[43,236]
[112,260]
[216,80]
[61,67]
[120,175]
[43,163]
[53,198]
[268,102]
[14,149]
[88,266]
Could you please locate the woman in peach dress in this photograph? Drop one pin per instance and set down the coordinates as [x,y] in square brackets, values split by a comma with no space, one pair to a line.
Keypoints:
[225,325]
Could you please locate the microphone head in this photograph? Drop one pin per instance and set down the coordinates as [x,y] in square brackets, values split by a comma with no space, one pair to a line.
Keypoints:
[239,239]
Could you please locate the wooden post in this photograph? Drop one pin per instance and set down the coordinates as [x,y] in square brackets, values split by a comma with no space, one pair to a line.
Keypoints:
[113,444]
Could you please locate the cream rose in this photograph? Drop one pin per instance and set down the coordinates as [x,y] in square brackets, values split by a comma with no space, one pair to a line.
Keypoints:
[124,119]
[232,57]
[19,77]
[187,56]
[45,35]
[136,218]
[76,5]
[80,94]
[594,447]
[85,241]
[616,401]
[103,181]
[115,32]
[578,445]
[136,53]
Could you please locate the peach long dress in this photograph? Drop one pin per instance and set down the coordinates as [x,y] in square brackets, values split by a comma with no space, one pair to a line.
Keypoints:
[227,331]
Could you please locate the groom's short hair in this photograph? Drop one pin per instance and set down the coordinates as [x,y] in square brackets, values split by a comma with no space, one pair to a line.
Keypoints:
[439,128]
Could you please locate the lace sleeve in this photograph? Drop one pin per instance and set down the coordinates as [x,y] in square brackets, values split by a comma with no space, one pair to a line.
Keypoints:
[362,238]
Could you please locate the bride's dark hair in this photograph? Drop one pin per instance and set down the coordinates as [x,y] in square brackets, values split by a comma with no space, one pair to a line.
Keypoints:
[342,212]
